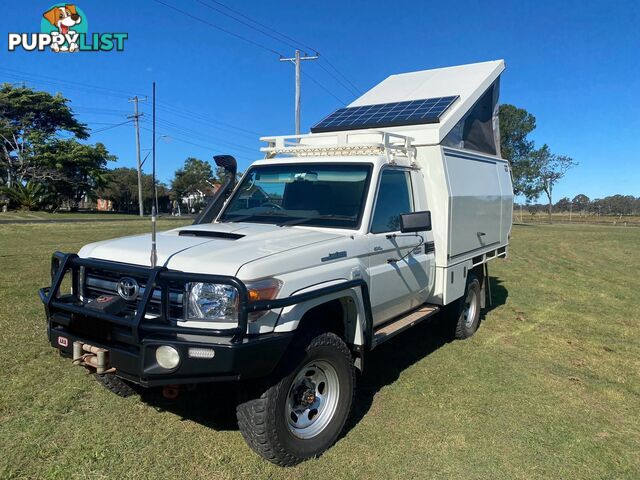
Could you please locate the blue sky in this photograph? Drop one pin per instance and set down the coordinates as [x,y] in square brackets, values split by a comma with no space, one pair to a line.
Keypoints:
[573,64]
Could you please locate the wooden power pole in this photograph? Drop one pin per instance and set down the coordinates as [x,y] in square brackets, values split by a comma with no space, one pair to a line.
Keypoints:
[296,61]
[136,122]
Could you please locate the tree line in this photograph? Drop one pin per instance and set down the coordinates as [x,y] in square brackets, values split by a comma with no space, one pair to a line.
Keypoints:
[581,204]
[45,162]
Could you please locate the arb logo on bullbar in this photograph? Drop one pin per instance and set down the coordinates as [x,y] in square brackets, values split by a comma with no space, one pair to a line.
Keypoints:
[64,28]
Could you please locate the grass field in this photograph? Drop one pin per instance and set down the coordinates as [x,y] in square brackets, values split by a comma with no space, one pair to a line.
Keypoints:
[549,387]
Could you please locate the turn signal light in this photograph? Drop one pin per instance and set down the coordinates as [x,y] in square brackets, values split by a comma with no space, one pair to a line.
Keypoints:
[266,289]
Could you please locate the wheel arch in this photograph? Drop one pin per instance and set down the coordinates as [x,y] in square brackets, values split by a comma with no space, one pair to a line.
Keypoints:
[342,313]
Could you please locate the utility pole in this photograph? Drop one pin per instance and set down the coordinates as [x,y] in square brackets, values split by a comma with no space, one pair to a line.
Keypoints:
[296,61]
[136,123]
[570,210]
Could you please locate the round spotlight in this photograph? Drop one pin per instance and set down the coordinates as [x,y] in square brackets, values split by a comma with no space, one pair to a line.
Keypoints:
[167,357]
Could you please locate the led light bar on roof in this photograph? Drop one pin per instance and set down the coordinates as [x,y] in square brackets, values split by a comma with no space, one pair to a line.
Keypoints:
[412,112]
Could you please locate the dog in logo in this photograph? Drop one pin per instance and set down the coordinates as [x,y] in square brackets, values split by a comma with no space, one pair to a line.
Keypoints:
[63,18]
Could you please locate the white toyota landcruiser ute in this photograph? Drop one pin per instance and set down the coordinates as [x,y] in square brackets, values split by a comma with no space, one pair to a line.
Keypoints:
[335,242]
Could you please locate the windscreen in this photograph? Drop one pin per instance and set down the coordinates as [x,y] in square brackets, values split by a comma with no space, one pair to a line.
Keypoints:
[322,195]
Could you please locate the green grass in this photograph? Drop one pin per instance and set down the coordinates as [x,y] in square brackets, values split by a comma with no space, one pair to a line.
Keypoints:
[549,387]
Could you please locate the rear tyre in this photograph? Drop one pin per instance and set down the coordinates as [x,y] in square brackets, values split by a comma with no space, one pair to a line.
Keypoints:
[115,384]
[467,309]
[304,410]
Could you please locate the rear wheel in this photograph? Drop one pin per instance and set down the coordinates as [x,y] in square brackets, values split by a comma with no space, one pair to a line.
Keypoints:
[302,413]
[467,309]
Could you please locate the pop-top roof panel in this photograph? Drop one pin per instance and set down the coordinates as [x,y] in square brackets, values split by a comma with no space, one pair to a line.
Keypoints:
[465,83]
[411,112]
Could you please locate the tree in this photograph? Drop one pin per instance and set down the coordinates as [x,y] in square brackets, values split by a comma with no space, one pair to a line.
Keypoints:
[581,202]
[81,169]
[196,175]
[563,205]
[515,126]
[548,169]
[30,196]
[28,120]
[121,187]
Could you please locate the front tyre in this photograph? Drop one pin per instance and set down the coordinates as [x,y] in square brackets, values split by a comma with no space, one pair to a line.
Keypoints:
[303,412]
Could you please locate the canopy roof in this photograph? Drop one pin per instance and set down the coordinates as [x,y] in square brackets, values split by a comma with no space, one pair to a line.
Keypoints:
[467,83]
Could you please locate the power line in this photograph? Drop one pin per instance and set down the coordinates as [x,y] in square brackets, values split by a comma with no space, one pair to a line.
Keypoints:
[296,42]
[343,76]
[110,127]
[201,136]
[206,22]
[98,109]
[333,75]
[174,109]
[206,147]
[229,32]
[291,42]
[52,80]
[267,33]
[306,74]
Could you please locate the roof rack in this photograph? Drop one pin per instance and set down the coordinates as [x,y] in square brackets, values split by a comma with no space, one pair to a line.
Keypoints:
[371,142]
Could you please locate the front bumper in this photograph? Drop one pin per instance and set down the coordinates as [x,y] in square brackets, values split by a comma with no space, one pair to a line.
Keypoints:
[131,338]
[252,357]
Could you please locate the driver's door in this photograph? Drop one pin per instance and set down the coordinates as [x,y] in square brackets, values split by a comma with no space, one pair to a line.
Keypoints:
[398,274]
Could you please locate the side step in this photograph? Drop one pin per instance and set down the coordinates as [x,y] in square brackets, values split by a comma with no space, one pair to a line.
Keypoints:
[391,329]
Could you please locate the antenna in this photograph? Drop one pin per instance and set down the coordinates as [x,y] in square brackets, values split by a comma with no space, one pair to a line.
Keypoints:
[154,253]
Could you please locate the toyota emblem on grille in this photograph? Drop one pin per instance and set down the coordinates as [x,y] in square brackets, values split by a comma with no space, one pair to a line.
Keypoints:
[128,288]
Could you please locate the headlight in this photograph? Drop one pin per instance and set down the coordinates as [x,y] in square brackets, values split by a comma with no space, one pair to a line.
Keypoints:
[211,301]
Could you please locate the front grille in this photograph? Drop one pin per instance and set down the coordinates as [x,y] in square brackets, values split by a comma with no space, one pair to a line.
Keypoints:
[103,282]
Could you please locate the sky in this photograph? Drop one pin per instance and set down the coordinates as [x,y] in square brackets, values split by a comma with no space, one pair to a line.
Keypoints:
[575,65]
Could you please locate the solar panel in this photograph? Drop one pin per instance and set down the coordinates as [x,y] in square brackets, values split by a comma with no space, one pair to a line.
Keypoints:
[412,112]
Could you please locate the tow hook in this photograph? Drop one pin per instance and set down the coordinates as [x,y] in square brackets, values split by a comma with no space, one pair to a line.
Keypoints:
[171,392]
[93,358]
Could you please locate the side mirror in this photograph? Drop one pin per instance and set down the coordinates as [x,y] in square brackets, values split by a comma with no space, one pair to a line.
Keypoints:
[415,222]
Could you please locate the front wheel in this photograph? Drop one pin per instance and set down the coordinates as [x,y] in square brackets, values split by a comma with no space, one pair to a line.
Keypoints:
[303,412]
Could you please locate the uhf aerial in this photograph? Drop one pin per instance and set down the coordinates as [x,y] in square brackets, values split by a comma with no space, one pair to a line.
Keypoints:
[154,253]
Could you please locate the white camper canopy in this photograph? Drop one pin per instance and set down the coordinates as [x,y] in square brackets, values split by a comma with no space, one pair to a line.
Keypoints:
[445,123]
[463,101]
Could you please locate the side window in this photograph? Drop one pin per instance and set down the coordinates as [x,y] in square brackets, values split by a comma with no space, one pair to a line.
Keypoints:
[394,199]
